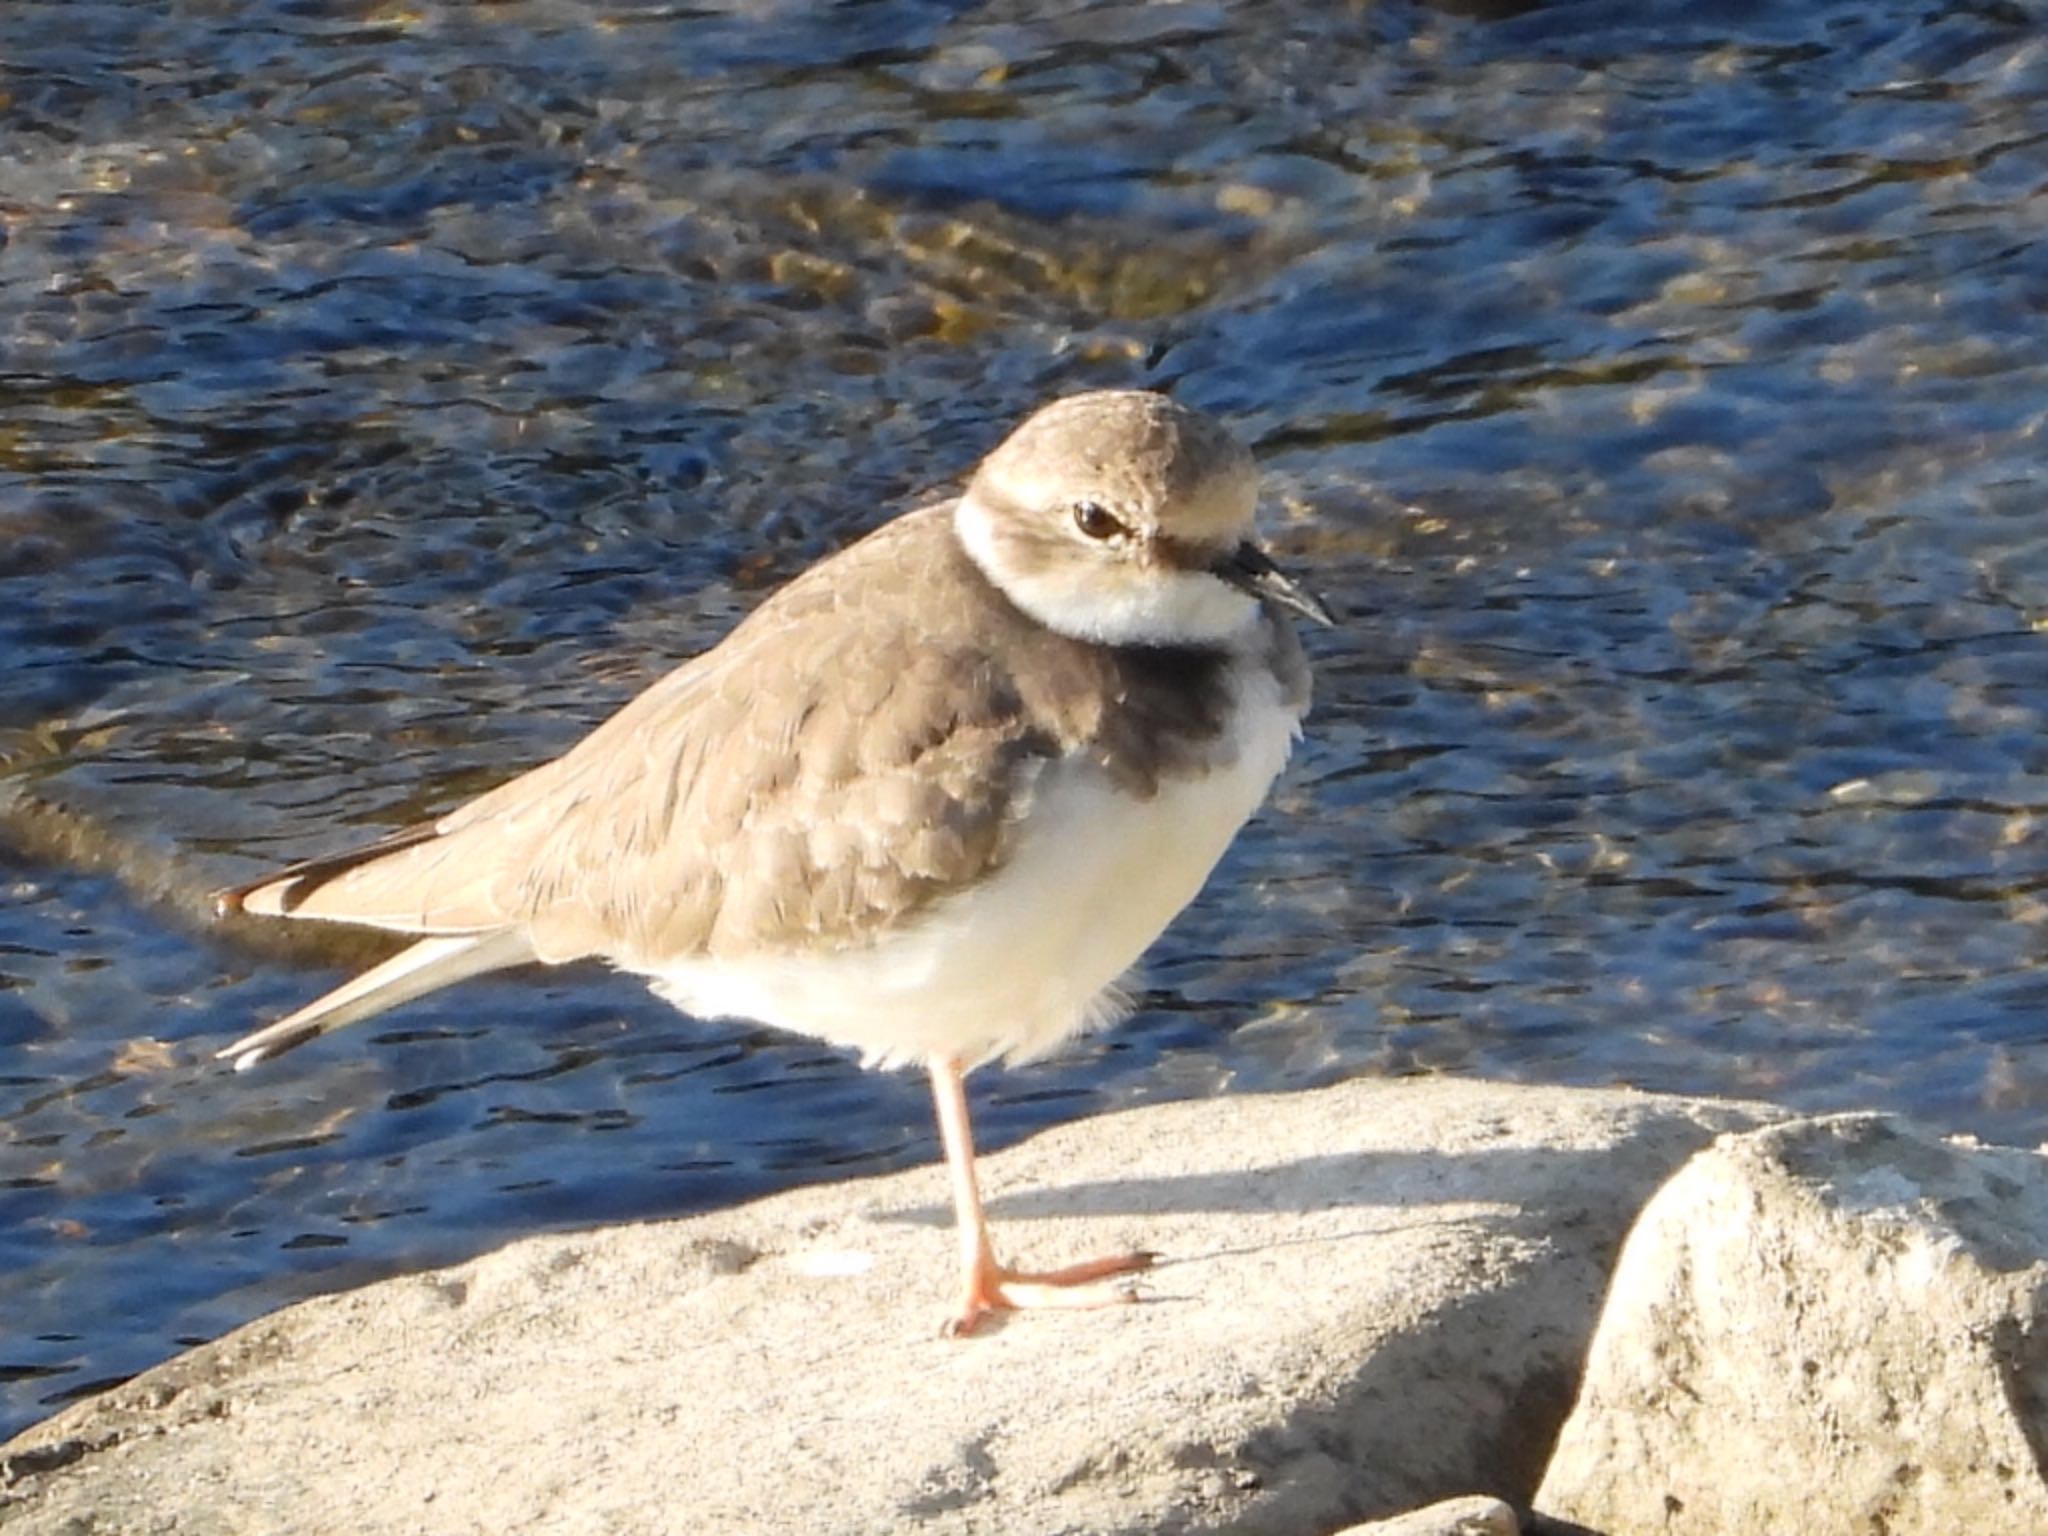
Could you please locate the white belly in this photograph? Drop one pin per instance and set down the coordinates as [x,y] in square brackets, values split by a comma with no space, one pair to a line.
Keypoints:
[1029,957]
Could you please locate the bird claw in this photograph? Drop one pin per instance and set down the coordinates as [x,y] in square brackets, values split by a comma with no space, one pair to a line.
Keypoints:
[1108,1282]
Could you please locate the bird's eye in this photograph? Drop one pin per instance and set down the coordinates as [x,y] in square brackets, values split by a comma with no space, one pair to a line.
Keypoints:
[1096,521]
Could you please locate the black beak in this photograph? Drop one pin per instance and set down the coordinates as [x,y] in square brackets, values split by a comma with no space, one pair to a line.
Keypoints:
[1249,569]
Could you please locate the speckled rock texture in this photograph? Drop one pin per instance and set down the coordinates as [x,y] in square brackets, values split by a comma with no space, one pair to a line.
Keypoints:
[1474,1515]
[1376,1295]
[1835,1326]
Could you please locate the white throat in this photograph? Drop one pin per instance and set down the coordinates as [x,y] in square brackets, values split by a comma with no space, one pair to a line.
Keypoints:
[1106,603]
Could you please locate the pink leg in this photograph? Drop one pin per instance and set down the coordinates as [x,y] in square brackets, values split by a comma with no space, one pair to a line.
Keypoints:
[987,1287]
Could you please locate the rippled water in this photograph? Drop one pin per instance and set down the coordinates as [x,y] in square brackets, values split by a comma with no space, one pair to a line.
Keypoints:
[388,390]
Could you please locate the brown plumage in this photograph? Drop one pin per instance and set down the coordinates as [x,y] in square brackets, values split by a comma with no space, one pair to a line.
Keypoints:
[791,787]
[848,817]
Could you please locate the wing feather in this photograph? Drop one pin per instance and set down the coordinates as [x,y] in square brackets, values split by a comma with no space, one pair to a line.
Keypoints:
[790,786]
[810,782]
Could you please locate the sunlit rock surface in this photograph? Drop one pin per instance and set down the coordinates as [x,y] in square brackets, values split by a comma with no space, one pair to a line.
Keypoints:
[1829,1326]
[1375,1296]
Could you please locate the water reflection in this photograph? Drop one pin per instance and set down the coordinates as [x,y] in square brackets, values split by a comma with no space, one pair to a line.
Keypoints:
[389,390]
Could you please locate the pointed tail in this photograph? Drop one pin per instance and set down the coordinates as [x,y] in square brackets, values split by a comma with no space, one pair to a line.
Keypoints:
[426,967]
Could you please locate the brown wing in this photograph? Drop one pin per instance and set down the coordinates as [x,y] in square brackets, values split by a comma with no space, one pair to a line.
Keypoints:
[280,893]
[794,784]
[857,748]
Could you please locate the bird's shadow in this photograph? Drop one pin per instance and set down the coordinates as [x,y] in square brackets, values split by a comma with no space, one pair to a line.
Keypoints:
[1543,1183]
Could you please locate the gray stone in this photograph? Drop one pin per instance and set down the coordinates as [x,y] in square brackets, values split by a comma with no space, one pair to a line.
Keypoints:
[1376,1295]
[1827,1326]
[1474,1515]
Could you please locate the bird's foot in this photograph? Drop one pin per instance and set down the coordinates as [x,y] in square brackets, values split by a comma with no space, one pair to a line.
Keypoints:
[992,1288]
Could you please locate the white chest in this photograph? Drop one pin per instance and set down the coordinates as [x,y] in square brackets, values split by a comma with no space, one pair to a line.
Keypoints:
[1028,957]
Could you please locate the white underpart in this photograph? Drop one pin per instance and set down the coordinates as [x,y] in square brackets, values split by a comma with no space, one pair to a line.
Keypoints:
[1020,963]
[1108,601]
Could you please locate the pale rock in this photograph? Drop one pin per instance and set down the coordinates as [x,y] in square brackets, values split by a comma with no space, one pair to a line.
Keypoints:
[1831,1326]
[1377,1295]
[1474,1515]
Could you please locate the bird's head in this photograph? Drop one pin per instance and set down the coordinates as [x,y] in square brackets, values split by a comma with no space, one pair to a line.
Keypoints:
[1123,518]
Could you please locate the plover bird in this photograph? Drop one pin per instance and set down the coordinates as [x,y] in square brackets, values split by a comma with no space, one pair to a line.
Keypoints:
[929,801]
